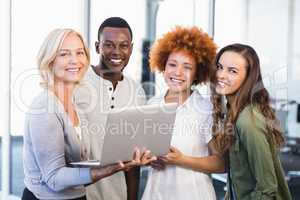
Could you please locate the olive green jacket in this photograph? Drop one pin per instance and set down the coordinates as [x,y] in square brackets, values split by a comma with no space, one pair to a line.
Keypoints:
[256,173]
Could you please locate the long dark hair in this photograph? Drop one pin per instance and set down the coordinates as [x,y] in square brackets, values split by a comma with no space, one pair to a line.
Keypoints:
[251,92]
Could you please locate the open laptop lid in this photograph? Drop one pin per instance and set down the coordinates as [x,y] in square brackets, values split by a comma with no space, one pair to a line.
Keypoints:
[148,127]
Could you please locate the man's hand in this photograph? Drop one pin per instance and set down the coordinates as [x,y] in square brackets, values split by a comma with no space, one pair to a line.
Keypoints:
[158,164]
[140,158]
[147,158]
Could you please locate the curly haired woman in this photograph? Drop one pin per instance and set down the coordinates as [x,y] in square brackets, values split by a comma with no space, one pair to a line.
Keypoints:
[184,56]
[249,129]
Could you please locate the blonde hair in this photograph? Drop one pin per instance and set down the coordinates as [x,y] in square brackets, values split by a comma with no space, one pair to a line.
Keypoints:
[48,52]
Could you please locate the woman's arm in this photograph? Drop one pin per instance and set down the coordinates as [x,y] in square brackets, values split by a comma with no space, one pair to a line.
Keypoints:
[48,146]
[213,163]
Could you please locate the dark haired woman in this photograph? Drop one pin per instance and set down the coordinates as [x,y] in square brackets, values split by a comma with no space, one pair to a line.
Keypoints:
[249,130]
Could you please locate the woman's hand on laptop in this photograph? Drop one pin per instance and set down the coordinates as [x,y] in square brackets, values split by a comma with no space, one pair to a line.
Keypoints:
[174,157]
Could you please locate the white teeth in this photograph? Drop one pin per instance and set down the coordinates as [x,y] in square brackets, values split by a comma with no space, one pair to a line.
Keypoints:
[222,84]
[73,70]
[116,60]
[176,80]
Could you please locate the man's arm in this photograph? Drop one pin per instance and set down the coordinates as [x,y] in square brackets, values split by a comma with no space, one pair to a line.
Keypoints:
[132,181]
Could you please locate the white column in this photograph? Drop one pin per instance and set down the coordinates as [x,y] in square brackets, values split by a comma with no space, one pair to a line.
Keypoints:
[151,17]
[293,126]
[5,64]
[87,21]
[211,18]
[246,13]
[290,39]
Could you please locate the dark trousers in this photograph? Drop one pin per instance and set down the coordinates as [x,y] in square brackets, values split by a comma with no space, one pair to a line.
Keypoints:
[27,195]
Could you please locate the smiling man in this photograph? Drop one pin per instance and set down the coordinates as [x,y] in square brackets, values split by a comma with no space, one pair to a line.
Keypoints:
[106,88]
[114,46]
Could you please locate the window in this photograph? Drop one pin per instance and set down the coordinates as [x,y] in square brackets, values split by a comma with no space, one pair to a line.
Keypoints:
[31,22]
[270,27]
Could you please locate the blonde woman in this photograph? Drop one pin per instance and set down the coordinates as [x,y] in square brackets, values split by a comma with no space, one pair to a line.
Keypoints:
[55,132]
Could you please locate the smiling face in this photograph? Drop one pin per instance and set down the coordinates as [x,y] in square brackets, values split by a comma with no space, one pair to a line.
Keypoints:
[180,71]
[231,73]
[115,48]
[70,63]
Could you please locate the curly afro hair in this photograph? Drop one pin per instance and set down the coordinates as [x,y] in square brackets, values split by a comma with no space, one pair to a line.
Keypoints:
[191,40]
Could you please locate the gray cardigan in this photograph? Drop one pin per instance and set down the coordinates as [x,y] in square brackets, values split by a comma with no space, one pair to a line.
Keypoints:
[50,143]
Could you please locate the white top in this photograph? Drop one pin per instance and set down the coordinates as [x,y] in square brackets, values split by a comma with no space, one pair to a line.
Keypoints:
[78,132]
[191,134]
[95,97]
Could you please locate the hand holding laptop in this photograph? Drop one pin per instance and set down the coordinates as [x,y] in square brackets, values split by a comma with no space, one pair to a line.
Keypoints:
[145,127]
[139,158]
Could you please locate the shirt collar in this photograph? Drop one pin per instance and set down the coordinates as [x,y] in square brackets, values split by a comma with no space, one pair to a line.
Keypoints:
[194,96]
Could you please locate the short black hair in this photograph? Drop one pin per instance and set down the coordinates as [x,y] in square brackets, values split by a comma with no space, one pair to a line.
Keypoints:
[115,22]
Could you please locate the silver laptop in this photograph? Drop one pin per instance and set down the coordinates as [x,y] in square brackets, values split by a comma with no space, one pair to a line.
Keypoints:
[149,127]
